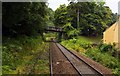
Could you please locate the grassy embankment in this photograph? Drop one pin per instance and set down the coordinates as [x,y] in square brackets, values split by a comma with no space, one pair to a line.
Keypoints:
[93,48]
[25,55]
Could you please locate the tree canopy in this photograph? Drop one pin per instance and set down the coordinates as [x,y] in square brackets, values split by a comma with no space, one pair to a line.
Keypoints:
[78,18]
[88,18]
[23,18]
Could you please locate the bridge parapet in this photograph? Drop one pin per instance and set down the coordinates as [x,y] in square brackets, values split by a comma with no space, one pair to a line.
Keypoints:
[55,29]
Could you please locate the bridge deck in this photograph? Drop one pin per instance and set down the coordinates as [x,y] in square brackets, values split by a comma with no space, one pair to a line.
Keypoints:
[55,29]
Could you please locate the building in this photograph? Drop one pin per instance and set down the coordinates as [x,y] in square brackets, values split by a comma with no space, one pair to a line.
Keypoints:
[112,34]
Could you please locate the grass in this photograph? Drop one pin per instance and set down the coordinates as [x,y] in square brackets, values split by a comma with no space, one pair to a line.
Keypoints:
[90,39]
[81,43]
[22,54]
[102,54]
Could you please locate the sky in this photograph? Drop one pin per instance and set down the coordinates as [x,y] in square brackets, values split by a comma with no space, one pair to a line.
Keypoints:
[113,4]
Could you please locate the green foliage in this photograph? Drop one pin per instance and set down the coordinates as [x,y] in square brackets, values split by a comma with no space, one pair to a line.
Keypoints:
[94,17]
[105,59]
[73,33]
[60,16]
[18,52]
[70,30]
[77,44]
[26,18]
[102,53]
[107,48]
[48,36]
[50,17]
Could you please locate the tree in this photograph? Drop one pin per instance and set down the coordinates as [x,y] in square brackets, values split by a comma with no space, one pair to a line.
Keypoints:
[60,16]
[23,18]
[50,17]
[93,19]
[63,19]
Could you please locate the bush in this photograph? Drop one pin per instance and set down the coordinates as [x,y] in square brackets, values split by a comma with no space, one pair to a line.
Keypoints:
[107,48]
[102,53]
[14,50]
[105,59]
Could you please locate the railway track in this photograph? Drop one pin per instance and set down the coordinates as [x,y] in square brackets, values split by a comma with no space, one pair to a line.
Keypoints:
[59,63]
[79,66]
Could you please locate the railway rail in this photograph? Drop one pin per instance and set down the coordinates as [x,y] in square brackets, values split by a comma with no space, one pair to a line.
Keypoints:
[75,64]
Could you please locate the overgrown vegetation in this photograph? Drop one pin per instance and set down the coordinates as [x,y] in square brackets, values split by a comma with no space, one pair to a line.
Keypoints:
[102,53]
[23,49]
[48,36]
[25,55]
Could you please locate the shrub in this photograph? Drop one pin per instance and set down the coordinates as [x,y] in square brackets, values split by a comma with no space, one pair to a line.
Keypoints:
[101,53]
[107,48]
[14,50]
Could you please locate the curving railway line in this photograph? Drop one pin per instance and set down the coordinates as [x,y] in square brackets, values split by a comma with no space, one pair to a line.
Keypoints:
[66,62]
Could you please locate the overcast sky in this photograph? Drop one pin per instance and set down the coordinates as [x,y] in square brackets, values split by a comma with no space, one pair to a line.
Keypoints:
[113,4]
